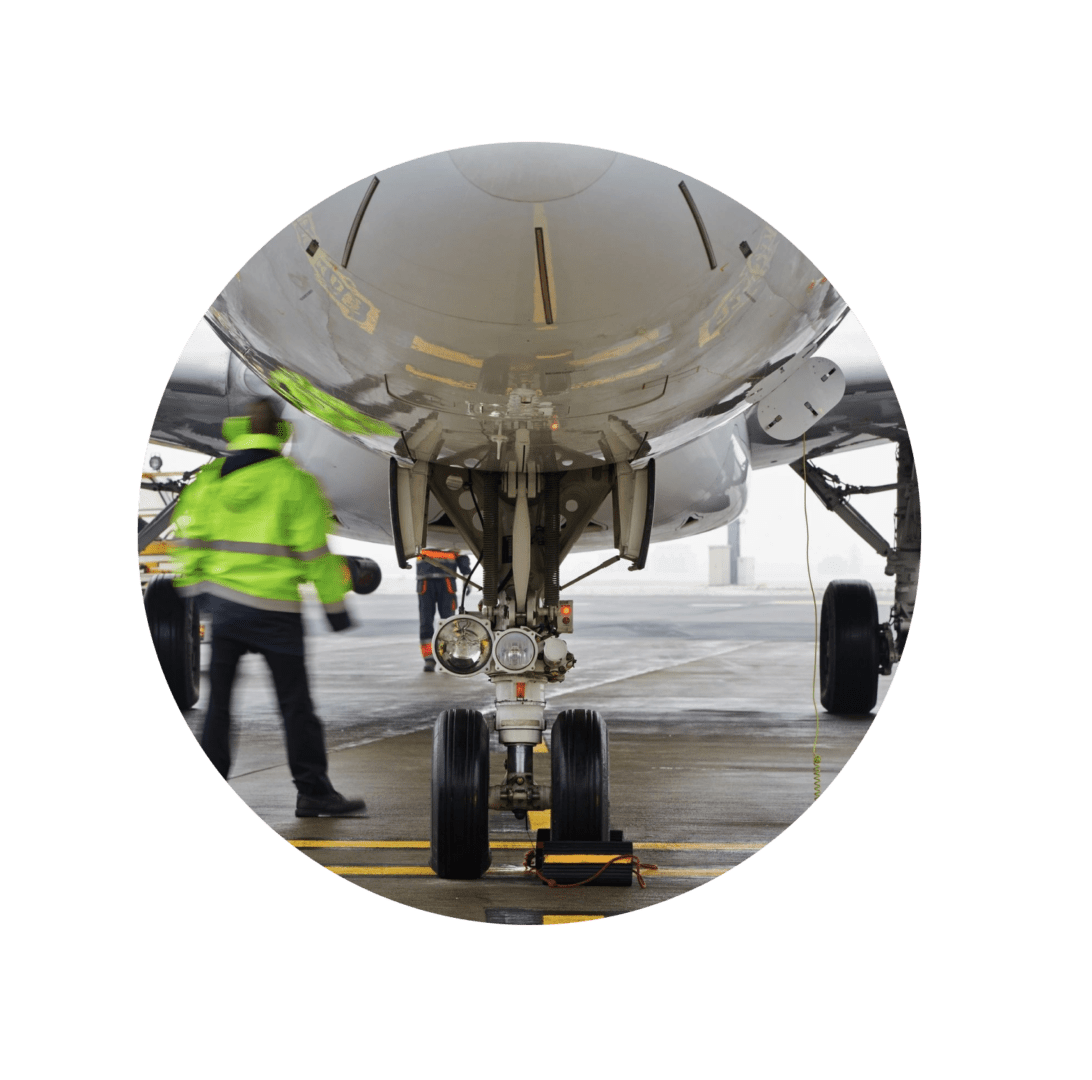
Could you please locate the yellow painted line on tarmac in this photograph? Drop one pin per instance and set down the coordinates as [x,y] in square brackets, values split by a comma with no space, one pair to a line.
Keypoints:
[522,845]
[419,845]
[652,846]
[383,871]
[686,871]
[359,843]
[411,871]
[551,860]
[549,920]
[427,871]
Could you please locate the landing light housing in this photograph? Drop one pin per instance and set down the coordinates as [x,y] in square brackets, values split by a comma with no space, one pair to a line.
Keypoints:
[515,650]
[463,644]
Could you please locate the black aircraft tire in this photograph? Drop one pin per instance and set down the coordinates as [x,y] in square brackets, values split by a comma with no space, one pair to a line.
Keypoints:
[460,795]
[175,625]
[579,777]
[849,648]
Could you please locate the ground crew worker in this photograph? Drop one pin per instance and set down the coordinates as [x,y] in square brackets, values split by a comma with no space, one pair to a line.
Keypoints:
[436,587]
[251,528]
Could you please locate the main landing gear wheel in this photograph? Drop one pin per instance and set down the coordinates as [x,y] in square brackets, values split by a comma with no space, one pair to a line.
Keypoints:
[175,625]
[849,648]
[579,792]
[460,795]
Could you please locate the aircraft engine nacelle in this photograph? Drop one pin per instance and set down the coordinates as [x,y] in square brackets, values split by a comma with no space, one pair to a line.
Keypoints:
[365,573]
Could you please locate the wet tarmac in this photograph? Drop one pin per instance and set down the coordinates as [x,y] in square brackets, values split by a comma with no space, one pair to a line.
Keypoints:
[707,694]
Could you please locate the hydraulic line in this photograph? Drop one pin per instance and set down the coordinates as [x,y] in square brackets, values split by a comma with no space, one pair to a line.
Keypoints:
[602,566]
[466,585]
[478,511]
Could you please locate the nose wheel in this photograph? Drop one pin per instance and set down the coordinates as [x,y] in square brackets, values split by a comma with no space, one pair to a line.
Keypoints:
[460,795]
[579,777]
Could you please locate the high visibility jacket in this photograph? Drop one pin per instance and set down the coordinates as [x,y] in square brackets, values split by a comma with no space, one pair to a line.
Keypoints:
[255,535]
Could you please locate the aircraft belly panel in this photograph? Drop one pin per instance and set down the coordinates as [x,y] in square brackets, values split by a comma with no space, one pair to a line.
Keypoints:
[495,312]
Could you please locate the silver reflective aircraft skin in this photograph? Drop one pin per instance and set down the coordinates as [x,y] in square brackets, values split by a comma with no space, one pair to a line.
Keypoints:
[700,486]
[560,290]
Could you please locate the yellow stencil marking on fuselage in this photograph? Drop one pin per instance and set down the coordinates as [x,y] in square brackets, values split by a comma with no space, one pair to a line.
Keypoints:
[615,378]
[336,283]
[540,311]
[735,298]
[440,378]
[445,354]
[619,350]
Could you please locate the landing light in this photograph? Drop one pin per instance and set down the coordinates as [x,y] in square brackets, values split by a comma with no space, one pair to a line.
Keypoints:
[516,650]
[463,644]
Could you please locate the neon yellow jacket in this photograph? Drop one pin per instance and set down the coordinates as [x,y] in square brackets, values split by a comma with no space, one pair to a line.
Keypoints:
[255,535]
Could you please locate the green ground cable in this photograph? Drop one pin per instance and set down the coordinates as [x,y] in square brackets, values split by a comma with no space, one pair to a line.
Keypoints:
[815,758]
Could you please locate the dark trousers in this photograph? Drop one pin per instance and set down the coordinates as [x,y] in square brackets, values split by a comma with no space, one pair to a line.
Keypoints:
[303,735]
[434,595]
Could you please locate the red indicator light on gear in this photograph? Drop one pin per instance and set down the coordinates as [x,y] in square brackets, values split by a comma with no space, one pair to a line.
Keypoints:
[521,689]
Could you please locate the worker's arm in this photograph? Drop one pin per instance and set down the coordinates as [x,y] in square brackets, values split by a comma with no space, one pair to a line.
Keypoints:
[328,572]
[189,520]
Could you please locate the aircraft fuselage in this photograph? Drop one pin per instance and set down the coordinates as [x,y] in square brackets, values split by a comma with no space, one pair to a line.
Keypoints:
[576,295]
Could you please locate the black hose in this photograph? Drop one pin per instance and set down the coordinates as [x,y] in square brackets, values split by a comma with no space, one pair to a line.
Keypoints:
[466,585]
[552,539]
[490,559]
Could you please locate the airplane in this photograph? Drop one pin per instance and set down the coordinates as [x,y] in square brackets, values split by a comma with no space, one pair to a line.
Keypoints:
[524,350]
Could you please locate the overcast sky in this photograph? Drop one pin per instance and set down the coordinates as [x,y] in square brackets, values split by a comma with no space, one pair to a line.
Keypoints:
[772,529]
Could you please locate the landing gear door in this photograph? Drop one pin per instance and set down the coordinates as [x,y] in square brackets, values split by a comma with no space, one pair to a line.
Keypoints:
[409,502]
[634,507]
[649,474]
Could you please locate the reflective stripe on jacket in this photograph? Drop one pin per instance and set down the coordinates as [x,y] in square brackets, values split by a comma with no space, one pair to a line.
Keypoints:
[255,535]
[459,564]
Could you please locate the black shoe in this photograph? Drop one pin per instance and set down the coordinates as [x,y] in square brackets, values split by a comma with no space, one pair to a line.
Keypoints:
[332,805]
[430,665]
